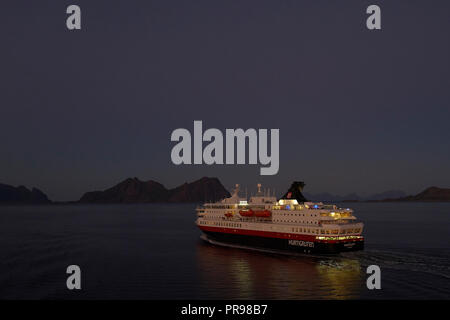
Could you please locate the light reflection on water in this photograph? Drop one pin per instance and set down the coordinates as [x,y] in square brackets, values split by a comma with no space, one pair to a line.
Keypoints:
[247,274]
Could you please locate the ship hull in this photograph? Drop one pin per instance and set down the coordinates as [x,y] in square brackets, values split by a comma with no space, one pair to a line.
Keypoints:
[285,245]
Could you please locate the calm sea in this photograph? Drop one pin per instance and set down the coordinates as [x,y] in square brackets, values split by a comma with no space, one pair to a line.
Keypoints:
[155,252]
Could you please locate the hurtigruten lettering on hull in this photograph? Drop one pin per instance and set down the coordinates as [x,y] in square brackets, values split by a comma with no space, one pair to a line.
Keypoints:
[289,224]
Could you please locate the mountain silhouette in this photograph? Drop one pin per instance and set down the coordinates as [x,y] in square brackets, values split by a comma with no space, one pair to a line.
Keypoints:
[431,194]
[133,190]
[21,195]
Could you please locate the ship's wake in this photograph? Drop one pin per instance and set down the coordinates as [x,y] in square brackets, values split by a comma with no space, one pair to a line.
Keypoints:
[434,262]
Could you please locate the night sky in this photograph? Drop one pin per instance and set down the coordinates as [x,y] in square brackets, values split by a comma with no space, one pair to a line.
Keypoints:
[358,110]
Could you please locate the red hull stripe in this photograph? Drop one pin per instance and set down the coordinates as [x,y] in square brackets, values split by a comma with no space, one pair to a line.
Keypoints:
[269,234]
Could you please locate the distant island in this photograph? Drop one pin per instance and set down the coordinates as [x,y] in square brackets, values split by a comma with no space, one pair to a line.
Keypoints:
[133,190]
[353,197]
[21,195]
[431,194]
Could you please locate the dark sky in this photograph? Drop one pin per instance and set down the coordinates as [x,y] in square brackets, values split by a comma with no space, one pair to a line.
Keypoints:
[358,111]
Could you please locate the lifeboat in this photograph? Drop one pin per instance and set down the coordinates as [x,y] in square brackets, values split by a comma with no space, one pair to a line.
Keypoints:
[263,213]
[246,213]
[229,214]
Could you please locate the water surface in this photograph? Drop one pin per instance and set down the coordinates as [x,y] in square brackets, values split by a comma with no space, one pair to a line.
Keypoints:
[154,252]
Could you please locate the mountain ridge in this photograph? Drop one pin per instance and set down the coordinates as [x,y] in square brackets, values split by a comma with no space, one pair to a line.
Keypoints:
[21,195]
[133,190]
[430,194]
[328,197]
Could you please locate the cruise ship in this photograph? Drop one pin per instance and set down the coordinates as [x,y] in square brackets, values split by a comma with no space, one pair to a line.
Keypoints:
[289,224]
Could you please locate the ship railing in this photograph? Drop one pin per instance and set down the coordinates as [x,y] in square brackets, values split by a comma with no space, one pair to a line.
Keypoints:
[254,219]
[216,206]
[341,221]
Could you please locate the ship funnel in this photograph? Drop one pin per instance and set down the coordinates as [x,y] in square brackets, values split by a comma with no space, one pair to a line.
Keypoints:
[295,192]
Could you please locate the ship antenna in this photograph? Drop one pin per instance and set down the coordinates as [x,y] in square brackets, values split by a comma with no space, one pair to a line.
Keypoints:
[236,191]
